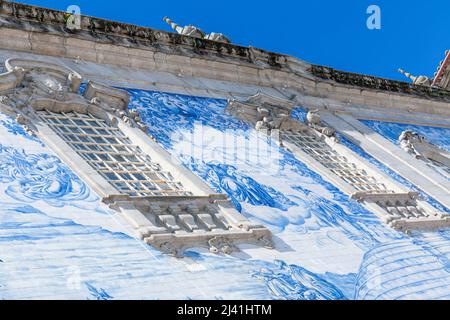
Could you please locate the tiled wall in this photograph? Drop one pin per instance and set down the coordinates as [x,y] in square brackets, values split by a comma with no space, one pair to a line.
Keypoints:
[58,241]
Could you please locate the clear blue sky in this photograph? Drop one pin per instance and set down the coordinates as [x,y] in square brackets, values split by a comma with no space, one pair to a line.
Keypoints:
[414,34]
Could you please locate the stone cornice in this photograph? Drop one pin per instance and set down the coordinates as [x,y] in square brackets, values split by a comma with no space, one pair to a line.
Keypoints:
[370,82]
[37,19]
[43,31]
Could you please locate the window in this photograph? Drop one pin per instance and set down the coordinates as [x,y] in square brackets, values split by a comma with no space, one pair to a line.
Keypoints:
[402,210]
[123,165]
[318,149]
[171,221]
[112,155]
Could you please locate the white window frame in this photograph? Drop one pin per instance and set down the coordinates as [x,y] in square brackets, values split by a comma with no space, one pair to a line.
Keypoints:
[170,221]
[392,202]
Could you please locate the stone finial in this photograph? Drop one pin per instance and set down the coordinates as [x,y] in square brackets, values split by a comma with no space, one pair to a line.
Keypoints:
[189,30]
[419,80]
[193,31]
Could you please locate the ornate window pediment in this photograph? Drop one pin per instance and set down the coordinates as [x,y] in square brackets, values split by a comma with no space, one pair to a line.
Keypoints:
[103,141]
[420,148]
[265,111]
[316,144]
[271,113]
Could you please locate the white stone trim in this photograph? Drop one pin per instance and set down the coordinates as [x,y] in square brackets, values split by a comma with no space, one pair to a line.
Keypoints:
[392,156]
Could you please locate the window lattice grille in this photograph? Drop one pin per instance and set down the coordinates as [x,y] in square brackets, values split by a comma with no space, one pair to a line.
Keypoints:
[402,210]
[320,151]
[112,155]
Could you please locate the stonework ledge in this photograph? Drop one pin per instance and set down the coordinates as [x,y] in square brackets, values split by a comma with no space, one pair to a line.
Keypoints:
[44,31]
[370,82]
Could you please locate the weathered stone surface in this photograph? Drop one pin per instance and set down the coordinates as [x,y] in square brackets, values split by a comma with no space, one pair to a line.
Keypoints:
[126,45]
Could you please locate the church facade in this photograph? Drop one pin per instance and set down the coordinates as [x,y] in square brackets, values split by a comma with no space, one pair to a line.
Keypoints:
[144,164]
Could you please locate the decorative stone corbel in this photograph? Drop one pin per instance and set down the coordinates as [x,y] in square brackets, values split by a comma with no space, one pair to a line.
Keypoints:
[169,249]
[169,222]
[420,148]
[221,244]
[419,80]
[264,111]
[313,120]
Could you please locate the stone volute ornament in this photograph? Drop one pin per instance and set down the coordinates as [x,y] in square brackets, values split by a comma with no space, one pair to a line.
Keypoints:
[420,148]
[34,85]
[193,31]
[271,115]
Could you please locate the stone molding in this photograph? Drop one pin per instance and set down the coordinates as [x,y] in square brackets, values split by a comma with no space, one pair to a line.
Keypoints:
[371,82]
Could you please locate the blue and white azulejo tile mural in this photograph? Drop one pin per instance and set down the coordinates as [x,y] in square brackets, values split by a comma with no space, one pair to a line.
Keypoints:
[58,241]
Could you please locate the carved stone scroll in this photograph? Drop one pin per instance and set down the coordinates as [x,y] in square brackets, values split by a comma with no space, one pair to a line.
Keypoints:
[419,147]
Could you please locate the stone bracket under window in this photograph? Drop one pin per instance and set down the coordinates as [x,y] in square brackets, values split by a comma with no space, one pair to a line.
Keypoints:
[175,224]
[316,144]
[403,211]
[104,143]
